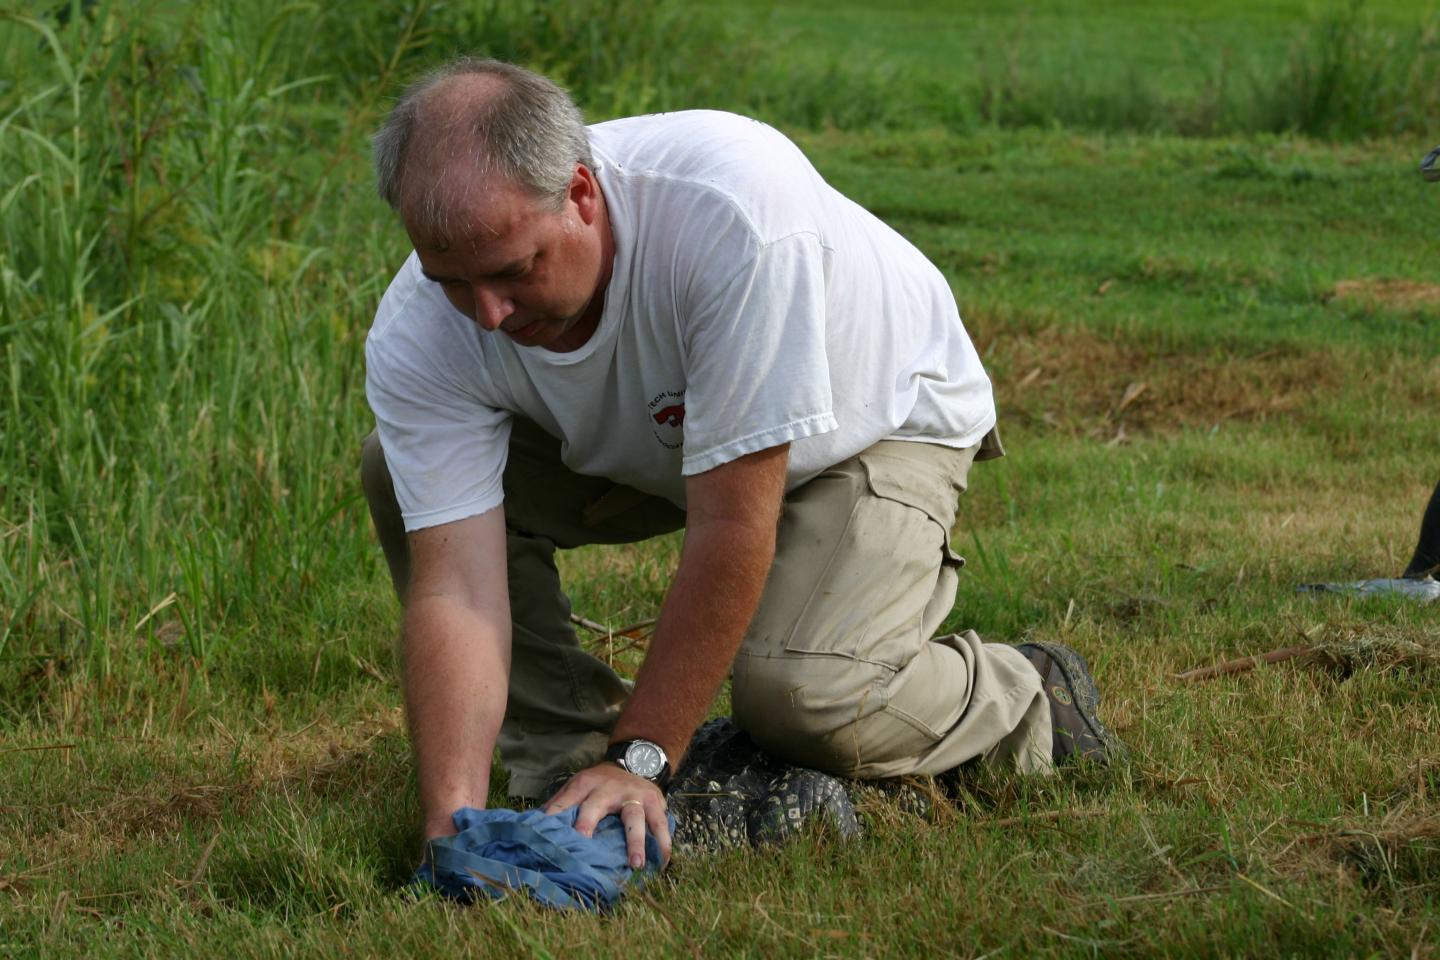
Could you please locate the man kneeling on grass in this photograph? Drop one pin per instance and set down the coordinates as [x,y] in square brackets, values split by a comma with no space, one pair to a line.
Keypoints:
[607,333]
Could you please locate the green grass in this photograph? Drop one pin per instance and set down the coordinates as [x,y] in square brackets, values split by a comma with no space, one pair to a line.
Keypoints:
[1335,70]
[1215,357]
[1063,217]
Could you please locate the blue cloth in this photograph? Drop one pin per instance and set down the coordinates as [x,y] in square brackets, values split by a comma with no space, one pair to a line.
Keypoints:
[497,852]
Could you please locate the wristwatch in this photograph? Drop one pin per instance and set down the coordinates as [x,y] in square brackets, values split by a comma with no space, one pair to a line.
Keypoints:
[644,758]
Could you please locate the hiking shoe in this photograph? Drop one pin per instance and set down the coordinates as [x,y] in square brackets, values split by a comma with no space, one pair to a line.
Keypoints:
[1078,733]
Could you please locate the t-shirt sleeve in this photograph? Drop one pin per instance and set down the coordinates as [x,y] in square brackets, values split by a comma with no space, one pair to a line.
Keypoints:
[444,444]
[757,374]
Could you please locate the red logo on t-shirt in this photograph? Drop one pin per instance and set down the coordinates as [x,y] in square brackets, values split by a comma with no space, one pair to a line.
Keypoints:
[673,415]
[667,418]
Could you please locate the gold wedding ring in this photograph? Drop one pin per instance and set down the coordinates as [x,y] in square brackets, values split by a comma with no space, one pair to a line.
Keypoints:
[638,803]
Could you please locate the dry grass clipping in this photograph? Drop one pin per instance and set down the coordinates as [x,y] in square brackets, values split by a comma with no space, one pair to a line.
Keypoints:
[1345,649]
[1402,849]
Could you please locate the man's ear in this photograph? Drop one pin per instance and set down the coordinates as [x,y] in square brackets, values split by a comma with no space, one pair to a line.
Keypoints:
[585,194]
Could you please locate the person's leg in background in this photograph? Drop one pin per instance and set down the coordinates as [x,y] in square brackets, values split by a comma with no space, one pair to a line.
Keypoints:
[1427,551]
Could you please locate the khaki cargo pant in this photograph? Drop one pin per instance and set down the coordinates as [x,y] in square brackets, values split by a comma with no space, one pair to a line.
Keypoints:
[841,669]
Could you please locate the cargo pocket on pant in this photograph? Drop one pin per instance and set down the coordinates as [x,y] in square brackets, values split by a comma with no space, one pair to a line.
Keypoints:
[912,505]
[893,552]
[931,491]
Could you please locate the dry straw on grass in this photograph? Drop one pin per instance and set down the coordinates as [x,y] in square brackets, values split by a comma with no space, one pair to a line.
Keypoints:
[1342,649]
[1348,648]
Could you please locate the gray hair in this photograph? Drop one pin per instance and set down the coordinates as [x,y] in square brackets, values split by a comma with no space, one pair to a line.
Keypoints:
[528,131]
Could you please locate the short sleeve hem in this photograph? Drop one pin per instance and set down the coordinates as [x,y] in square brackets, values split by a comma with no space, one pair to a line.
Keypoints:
[761,440]
[460,511]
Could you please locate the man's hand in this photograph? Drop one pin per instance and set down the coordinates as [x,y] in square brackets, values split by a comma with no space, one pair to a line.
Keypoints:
[605,789]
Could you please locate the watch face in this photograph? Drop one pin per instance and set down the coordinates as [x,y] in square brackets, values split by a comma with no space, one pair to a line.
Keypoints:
[644,759]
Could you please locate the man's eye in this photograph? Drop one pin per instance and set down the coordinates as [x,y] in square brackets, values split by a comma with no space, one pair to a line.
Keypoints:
[521,270]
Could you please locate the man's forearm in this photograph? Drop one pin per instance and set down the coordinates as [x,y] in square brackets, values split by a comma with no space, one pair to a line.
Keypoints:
[729,545]
[716,590]
[457,666]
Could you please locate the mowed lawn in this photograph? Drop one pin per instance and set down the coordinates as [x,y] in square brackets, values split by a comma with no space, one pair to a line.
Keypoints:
[1217,363]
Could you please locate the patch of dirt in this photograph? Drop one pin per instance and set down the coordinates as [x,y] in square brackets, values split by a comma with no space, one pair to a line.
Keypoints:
[1082,382]
[1393,294]
[1131,609]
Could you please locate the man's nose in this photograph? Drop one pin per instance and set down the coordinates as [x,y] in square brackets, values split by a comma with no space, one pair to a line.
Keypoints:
[491,308]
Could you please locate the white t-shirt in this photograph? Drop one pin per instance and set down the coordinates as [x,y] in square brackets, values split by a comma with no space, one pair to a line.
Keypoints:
[750,305]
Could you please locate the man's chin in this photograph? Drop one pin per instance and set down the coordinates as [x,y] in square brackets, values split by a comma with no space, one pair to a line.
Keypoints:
[532,334]
[557,335]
